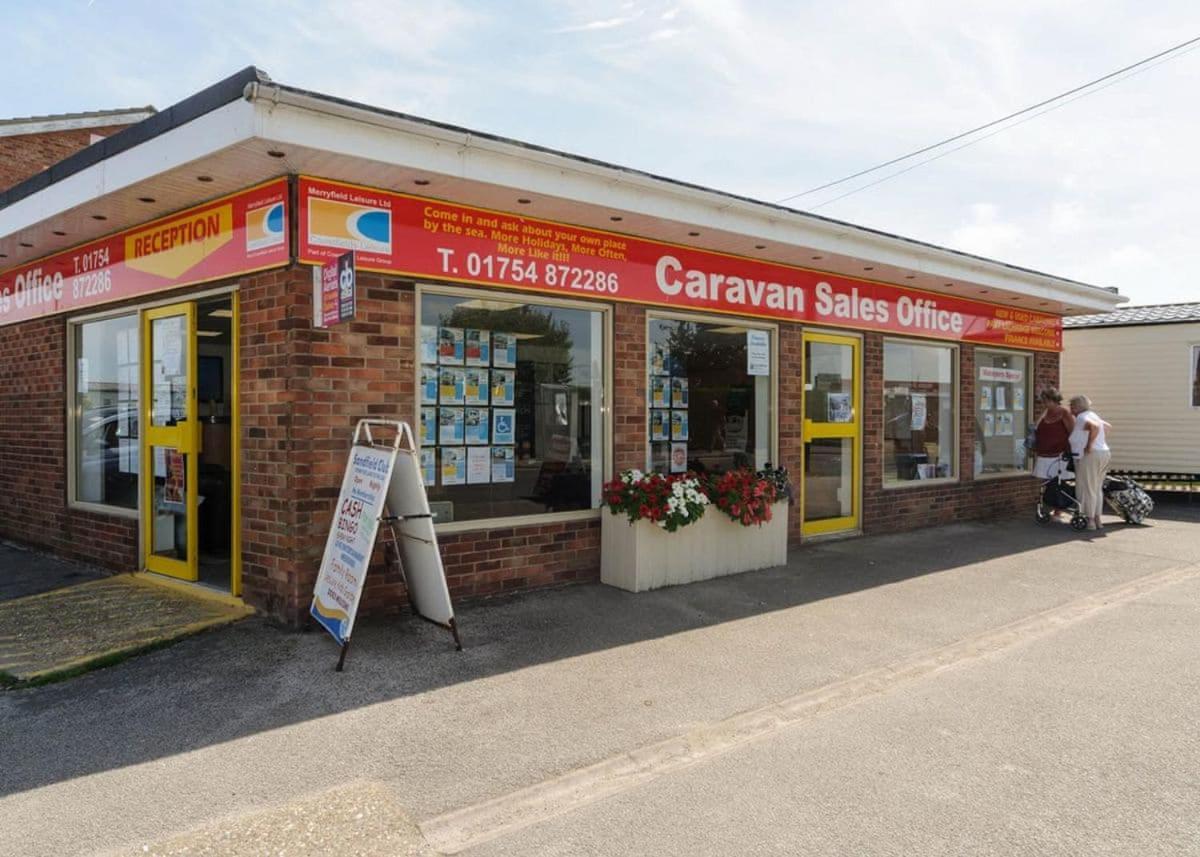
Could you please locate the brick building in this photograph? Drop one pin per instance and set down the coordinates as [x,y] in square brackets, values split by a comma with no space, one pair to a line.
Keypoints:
[167,402]
[32,145]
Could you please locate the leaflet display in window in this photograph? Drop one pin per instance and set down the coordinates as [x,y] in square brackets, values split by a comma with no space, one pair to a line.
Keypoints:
[519,387]
[707,411]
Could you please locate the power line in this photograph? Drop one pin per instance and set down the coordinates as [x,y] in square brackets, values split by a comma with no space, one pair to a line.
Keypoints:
[941,155]
[993,123]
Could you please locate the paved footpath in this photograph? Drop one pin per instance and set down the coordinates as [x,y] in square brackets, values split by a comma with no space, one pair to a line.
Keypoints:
[996,688]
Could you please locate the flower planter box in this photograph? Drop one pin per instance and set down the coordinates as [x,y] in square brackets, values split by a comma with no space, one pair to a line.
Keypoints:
[640,556]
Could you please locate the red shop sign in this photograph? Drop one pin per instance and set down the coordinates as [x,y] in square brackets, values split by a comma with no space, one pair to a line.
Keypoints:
[399,234]
[247,231]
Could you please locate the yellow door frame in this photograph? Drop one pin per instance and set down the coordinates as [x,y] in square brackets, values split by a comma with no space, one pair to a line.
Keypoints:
[185,438]
[852,430]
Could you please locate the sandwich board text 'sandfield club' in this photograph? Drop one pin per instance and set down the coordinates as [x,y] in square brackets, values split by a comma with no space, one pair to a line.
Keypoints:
[414,236]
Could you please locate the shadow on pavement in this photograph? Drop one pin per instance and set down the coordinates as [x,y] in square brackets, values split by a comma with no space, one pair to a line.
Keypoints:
[252,678]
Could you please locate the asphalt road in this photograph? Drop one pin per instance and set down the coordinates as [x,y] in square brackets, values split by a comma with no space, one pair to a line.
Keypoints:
[994,688]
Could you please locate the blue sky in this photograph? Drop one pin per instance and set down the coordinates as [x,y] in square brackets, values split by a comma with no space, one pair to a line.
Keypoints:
[764,99]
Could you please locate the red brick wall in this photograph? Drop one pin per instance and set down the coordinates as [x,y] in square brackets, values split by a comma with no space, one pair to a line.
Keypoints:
[33,464]
[25,155]
[303,389]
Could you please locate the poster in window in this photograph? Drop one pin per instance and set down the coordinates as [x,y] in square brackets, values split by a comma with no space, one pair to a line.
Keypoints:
[476,420]
[452,383]
[450,345]
[454,465]
[503,464]
[504,350]
[660,457]
[1004,425]
[1001,397]
[660,425]
[450,425]
[478,347]
[1018,398]
[658,359]
[679,458]
[504,424]
[428,466]
[985,398]
[429,343]
[920,412]
[989,425]
[758,352]
[503,387]
[679,425]
[679,392]
[837,407]
[658,392]
[428,426]
[176,477]
[475,386]
[479,465]
[429,385]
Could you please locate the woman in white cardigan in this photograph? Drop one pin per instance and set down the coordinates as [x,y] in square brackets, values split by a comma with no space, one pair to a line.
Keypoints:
[1089,445]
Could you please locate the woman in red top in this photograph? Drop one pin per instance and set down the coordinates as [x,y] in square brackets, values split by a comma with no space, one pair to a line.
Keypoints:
[1053,429]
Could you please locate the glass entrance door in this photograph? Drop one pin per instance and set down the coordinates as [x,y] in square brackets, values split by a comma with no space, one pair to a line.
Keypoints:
[832,434]
[170,441]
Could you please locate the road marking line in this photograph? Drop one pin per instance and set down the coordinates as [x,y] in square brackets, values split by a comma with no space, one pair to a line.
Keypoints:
[467,827]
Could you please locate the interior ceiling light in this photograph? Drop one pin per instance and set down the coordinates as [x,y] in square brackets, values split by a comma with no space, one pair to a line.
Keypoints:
[205,179]
[208,333]
[221,313]
[146,199]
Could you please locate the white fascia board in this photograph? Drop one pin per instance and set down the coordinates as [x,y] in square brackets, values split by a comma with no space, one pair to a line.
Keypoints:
[226,126]
[309,121]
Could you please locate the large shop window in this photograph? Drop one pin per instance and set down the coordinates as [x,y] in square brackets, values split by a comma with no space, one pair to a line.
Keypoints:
[105,385]
[1003,400]
[918,412]
[511,397]
[709,387]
